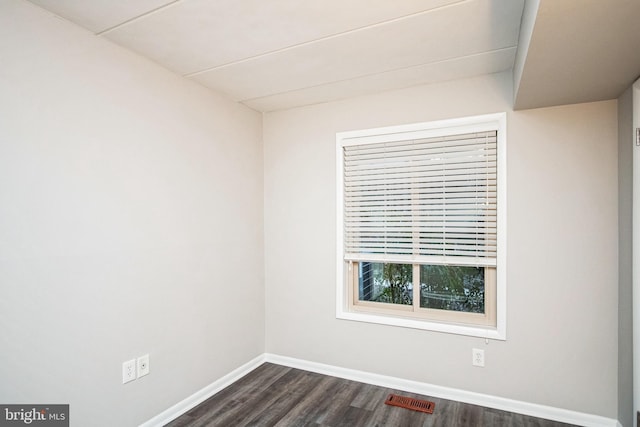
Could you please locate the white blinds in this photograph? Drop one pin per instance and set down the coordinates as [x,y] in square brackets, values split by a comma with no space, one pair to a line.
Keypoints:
[429,200]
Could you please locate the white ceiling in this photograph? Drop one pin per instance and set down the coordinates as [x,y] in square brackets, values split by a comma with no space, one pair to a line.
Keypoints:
[278,54]
[580,51]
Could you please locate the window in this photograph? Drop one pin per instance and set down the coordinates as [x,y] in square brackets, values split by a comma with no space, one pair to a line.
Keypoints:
[421,225]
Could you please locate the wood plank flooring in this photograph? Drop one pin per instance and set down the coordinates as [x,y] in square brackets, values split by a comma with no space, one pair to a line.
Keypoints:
[274,395]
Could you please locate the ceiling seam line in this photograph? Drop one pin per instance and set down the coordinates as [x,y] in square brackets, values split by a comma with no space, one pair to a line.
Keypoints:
[136,18]
[340,34]
[382,72]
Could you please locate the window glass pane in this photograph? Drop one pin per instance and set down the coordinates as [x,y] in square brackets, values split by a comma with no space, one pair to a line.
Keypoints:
[385,282]
[453,288]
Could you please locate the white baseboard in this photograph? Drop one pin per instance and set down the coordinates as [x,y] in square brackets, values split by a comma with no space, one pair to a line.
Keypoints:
[200,396]
[501,403]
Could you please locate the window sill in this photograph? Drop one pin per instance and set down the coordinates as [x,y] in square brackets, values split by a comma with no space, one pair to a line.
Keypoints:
[450,328]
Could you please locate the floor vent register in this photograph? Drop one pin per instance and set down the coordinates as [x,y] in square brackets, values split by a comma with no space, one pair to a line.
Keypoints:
[410,403]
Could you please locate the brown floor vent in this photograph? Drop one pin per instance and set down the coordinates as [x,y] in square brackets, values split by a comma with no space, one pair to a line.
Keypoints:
[410,403]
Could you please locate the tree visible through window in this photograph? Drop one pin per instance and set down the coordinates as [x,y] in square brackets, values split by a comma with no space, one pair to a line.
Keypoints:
[442,287]
[385,282]
[456,288]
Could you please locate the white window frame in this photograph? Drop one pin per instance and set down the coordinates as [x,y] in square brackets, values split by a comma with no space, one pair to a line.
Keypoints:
[479,123]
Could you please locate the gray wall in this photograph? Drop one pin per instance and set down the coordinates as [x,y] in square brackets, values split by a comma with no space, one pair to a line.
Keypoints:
[130,223]
[562,266]
[625,321]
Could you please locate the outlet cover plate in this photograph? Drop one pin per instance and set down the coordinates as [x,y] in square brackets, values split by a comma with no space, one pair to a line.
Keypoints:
[477,357]
[128,371]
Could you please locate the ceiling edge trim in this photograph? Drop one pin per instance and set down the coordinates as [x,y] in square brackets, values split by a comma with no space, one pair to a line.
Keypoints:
[527,26]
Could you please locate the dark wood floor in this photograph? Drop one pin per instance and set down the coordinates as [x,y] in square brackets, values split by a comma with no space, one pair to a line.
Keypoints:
[274,395]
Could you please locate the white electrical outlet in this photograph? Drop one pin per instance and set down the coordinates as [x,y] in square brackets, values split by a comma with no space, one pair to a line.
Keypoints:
[143,365]
[128,371]
[477,357]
